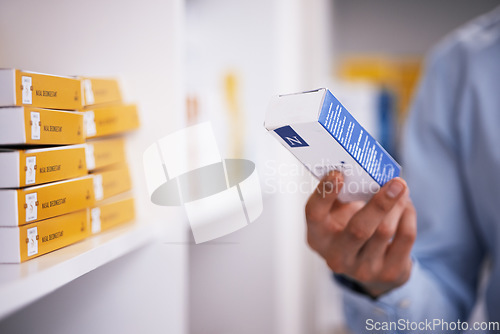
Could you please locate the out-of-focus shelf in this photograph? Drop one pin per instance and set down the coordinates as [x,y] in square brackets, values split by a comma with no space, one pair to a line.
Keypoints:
[22,284]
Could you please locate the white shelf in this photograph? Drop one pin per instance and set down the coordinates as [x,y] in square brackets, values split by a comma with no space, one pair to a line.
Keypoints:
[22,284]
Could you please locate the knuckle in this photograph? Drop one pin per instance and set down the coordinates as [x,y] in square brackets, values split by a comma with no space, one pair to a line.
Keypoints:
[385,278]
[409,236]
[385,231]
[375,266]
[335,228]
[381,204]
[363,274]
[349,262]
[390,275]
[358,233]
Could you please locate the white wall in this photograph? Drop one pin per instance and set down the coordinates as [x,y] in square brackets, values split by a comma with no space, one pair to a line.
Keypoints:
[260,279]
[141,42]
[231,279]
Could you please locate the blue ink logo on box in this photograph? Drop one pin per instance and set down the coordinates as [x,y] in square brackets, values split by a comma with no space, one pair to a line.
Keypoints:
[291,137]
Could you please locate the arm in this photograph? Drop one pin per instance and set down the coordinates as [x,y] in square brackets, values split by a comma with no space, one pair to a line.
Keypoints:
[448,248]
[448,252]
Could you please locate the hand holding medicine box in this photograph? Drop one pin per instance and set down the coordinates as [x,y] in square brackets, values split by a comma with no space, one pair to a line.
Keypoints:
[316,128]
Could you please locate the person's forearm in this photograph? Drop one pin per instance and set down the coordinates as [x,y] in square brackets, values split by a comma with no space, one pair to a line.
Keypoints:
[418,302]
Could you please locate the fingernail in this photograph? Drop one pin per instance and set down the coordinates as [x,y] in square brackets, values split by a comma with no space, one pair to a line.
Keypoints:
[395,188]
[328,187]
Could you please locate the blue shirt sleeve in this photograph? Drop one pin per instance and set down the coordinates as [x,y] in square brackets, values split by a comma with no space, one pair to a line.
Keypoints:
[448,252]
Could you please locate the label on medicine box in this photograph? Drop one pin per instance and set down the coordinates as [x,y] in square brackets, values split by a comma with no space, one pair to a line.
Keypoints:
[26,88]
[319,131]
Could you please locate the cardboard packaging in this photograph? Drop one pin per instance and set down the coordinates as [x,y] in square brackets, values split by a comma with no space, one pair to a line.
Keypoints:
[18,244]
[100,91]
[21,168]
[110,120]
[23,88]
[105,152]
[318,130]
[115,211]
[23,206]
[111,181]
[36,126]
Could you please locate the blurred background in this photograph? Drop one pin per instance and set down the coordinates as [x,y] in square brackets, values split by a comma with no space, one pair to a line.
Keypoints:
[189,61]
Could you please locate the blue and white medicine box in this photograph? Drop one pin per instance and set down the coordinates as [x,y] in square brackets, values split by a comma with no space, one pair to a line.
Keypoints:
[324,136]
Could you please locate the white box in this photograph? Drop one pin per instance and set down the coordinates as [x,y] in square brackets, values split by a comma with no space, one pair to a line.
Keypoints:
[316,128]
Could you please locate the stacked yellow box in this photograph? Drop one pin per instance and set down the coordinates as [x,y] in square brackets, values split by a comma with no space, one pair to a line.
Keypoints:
[106,118]
[58,186]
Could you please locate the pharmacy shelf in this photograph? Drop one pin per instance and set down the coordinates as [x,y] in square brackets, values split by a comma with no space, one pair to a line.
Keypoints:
[22,284]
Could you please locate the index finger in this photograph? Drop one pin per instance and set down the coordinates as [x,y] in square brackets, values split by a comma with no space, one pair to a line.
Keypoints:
[321,200]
